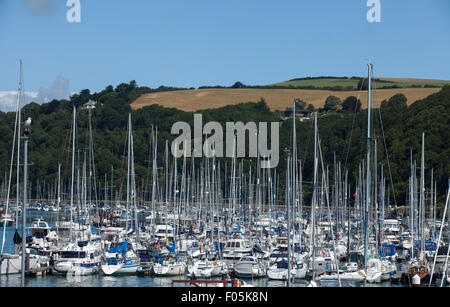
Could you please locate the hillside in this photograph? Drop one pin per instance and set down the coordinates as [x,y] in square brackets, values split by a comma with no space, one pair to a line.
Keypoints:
[337,83]
[277,99]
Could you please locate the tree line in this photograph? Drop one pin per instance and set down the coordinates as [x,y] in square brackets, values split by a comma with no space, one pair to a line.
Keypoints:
[397,128]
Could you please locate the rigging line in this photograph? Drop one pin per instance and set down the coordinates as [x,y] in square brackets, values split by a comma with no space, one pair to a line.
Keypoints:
[385,148]
[12,162]
[328,207]
[353,124]
[308,140]
[68,157]
[120,183]
[150,154]
[92,154]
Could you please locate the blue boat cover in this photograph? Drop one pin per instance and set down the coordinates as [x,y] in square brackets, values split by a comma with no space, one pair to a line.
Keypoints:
[258,249]
[387,250]
[122,249]
[171,248]
[283,264]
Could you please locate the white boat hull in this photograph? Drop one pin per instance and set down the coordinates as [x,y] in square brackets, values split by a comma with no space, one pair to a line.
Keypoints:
[277,274]
[119,269]
[12,264]
[169,270]
[374,277]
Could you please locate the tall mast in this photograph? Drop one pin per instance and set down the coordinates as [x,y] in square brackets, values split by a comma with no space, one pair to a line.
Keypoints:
[73,171]
[422,197]
[314,198]
[18,143]
[128,168]
[370,66]
[155,146]
[133,188]
[294,189]
[288,194]
[25,184]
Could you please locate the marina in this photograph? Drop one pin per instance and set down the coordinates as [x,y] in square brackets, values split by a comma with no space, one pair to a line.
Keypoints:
[198,228]
[302,144]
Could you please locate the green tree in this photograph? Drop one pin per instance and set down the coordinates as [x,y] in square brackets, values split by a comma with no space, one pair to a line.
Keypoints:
[351,104]
[397,102]
[300,104]
[238,85]
[332,103]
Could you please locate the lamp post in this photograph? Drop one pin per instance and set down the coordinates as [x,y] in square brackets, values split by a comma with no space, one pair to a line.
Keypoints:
[27,134]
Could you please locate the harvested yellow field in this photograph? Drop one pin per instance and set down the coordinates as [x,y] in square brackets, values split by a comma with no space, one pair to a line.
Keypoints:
[277,99]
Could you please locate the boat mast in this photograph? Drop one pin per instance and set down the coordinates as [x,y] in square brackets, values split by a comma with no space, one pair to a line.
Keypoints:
[314,198]
[128,169]
[370,67]
[155,146]
[73,172]
[288,196]
[25,185]
[422,198]
[18,144]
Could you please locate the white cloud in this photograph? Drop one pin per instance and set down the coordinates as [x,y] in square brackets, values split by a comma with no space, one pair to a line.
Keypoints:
[41,7]
[8,100]
[58,90]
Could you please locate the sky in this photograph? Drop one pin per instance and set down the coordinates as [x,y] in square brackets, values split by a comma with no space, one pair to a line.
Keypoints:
[209,42]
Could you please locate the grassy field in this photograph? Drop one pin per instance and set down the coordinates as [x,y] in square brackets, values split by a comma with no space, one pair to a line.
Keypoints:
[277,99]
[345,82]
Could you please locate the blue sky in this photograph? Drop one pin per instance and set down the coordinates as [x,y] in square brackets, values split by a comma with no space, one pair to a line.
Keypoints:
[209,42]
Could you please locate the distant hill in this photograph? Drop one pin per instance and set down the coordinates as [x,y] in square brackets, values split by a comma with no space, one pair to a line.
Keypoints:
[351,83]
[277,99]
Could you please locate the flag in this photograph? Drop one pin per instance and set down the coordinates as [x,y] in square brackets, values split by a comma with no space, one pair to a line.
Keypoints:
[17,238]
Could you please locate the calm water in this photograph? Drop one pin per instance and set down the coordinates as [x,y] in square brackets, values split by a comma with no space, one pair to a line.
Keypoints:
[137,281]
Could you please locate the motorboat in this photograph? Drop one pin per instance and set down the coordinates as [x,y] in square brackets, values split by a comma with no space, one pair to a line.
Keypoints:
[236,249]
[83,258]
[250,267]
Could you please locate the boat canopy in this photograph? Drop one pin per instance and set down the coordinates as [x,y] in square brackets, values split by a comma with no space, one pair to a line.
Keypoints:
[387,250]
[120,249]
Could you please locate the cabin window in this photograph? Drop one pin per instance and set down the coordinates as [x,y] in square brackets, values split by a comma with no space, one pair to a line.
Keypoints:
[72,254]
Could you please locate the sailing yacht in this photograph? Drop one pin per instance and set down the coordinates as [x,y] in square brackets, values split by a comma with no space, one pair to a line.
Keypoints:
[250,267]
[169,267]
[373,270]
[279,270]
[121,259]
